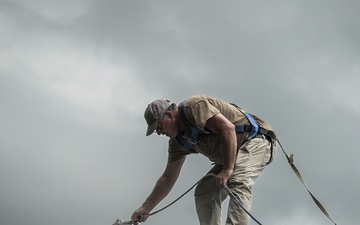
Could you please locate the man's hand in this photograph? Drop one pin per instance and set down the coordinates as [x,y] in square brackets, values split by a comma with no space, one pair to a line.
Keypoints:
[140,215]
[223,177]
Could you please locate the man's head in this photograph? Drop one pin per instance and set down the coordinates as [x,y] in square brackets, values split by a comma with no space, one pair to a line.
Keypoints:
[154,111]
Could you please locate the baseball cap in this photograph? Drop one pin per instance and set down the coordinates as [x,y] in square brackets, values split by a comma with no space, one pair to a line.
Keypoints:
[153,112]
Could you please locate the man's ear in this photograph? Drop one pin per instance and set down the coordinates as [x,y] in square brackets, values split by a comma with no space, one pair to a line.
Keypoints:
[170,114]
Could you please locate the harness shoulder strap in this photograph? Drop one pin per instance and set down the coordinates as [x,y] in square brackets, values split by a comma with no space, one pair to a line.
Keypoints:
[188,142]
[254,126]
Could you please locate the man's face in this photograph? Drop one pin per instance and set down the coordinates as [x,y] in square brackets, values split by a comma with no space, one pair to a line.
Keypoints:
[167,126]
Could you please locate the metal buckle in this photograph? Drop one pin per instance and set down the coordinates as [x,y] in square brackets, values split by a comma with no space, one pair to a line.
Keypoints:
[191,141]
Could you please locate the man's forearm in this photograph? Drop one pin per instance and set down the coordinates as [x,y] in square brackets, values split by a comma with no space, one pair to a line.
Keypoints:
[229,142]
[161,190]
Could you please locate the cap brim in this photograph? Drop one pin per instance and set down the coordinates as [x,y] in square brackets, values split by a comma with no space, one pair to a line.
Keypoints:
[151,128]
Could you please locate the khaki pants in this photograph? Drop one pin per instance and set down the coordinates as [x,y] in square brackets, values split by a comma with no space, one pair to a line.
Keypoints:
[253,156]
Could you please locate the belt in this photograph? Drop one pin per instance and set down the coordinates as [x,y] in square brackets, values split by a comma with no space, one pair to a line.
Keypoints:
[263,136]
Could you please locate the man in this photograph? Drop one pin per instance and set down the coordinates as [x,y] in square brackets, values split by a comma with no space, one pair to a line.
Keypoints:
[239,144]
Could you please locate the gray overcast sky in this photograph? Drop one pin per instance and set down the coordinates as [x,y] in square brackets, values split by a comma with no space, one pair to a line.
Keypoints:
[76,76]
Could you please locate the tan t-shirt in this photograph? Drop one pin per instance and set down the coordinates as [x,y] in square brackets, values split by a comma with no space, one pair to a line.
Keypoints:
[198,109]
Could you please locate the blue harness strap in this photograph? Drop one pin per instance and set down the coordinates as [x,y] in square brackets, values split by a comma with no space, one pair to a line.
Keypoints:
[254,128]
[189,142]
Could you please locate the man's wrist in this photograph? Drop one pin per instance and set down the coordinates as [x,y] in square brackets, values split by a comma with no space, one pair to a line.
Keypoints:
[228,170]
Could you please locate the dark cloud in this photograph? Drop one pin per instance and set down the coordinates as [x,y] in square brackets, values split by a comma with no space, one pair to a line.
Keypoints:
[74,84]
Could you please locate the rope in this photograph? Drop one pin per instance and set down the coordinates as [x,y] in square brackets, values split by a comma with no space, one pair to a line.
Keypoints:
[296,171]
[231,194]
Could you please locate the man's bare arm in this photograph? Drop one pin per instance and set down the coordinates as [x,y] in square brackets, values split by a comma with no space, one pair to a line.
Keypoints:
[226,130]
[162,188]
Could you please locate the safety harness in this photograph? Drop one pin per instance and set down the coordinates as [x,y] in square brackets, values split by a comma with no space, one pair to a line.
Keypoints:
[253,129]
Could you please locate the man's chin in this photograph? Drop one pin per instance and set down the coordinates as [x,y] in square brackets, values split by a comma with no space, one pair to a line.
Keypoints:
[171,136]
